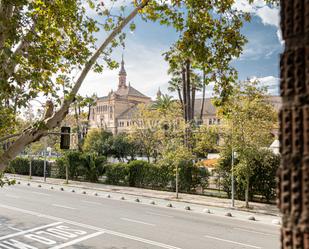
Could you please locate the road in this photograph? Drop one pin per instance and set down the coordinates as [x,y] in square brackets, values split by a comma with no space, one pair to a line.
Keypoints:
[32,217]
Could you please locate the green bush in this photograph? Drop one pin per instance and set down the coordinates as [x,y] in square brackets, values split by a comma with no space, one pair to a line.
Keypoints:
[87,166]
[143,174]
[264,164]
[92,167]
[21,166]
[158,177]
[137,171]
[59,168]
[116,174]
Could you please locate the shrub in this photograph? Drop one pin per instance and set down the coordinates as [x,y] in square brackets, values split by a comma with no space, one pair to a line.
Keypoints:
[116,174]
[89,166]
[264,164]
[59,168]
[21,166]
[137,171]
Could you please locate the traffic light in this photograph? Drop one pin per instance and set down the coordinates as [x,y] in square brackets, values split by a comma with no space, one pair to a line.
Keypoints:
[65,138]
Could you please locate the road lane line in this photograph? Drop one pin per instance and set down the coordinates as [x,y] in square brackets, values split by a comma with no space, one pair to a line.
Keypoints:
[92,202]
[61,206]
[62,220]
[137,221]
[232,242]
[252,231]
[15,229]
[12,196]
[29,230]
[38,193]
[77,240]
[158,214]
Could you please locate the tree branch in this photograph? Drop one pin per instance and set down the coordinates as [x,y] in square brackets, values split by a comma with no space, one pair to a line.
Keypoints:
[33,134]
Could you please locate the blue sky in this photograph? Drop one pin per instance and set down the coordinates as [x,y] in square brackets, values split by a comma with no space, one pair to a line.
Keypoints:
[147,70]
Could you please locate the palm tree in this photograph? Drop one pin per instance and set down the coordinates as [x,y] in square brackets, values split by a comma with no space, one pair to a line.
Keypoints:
[163,103]
[175,85]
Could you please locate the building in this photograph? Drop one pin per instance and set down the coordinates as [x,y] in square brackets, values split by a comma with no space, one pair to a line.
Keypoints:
[115,112]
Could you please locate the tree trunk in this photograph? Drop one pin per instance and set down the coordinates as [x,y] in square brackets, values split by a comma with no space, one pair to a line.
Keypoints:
[293,174]
[193,101]
[79,137]
[204,93]
[185,99]
[88,119]
[34,133]
[188,86]
[247,191]
[180,97]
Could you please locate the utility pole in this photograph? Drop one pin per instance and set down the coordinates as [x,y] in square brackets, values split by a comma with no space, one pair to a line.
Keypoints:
[232,162]
[177,179]
[233,184]
[45,154]
[30,167]
[293,187]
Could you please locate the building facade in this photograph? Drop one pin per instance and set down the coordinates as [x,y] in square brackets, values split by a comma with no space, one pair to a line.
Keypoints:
[115,112]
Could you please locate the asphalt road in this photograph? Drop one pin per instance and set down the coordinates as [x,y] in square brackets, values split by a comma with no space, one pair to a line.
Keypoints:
[32,217]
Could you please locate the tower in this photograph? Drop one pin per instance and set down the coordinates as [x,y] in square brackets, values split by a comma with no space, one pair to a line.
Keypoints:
[159,94]
[122,76]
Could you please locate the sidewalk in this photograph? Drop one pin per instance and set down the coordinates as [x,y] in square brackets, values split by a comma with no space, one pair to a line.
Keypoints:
[259,208]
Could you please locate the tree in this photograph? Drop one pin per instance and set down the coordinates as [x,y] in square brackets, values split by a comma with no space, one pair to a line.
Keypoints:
[74,26]
[163,103]
[99,141]
[152,127]
[263,165]
[248,124]
[205,140]
[123,147]
[208,43]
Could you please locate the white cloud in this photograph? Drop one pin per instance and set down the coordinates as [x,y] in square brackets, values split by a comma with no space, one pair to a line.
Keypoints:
[271,82]
[279,35]
[146,71]
[269,16]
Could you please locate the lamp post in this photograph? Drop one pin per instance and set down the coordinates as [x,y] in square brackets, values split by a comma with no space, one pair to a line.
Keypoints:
[233,189]
[30,167]
[45,154]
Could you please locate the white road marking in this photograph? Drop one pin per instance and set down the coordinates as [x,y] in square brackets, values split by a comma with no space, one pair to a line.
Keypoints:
[61,206]
[92,202]
[137,221]
[38,193]
[29,230]
[252,231]
[15,229]
[232,242]
[12,196]
[77,240]
[158,214]
[122,235]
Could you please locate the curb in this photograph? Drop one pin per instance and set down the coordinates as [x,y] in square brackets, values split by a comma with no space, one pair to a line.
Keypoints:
[148,196]
[169,205]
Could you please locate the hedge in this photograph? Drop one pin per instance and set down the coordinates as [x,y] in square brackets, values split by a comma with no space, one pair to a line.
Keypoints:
[87,166]
[21,166]
[142,174]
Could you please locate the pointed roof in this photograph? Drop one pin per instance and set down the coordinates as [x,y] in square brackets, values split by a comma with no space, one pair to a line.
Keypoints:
[122,69]
[130,91]
[159,94]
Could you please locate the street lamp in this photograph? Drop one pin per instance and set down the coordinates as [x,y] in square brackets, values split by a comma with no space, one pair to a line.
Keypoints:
[233,190]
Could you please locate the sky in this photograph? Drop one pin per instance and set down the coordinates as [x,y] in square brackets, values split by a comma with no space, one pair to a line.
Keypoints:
[147,70]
